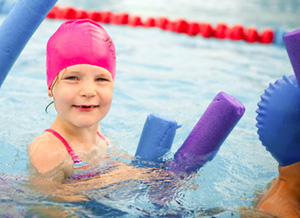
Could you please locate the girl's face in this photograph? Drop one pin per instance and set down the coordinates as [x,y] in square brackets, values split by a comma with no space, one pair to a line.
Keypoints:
[82,95]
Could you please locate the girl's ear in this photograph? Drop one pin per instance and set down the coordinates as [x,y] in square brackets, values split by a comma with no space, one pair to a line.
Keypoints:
[50,93]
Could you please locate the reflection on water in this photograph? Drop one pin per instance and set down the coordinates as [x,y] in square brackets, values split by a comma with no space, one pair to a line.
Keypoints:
[123,191]
[119,192]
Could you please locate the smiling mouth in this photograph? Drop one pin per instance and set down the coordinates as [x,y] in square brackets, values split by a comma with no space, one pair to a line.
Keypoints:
[85,107]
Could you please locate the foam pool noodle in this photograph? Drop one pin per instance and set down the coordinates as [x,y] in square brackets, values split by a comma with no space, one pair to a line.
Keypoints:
[292,44]
[209,133]
[17,28]
[278,39]
[279,110]
[156,139]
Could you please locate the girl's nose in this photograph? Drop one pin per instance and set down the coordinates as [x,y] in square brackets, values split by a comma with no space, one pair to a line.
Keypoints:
[88,90]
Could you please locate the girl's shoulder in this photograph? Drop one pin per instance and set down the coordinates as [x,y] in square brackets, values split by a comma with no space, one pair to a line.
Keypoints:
[46,153]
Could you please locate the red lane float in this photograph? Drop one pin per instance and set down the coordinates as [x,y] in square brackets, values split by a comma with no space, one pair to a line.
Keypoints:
[267,36]
[221,31]
[236,32]
[150,22]
[252,35]
[206,30]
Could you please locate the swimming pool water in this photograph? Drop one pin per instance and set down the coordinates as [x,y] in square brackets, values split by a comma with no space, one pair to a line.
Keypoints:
[165,73]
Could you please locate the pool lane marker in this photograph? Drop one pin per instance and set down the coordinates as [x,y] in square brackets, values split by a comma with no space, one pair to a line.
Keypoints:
[220,31]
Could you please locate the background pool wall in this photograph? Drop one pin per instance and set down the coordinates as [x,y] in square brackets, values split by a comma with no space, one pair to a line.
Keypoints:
[18,27]
[209,133]
[156,139]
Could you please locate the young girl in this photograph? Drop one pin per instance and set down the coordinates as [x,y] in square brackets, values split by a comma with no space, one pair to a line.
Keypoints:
[81,68]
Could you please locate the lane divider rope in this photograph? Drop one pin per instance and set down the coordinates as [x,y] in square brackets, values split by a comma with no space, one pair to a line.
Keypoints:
[192,28]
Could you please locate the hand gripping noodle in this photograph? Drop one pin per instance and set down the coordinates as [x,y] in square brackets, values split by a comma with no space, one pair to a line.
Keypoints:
[79,42]
[17,28]
[209,133]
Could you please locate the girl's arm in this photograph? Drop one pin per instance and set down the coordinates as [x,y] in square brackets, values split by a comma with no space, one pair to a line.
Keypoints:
[48,168]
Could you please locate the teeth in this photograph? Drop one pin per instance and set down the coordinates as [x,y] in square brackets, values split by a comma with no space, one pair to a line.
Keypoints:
[87,106]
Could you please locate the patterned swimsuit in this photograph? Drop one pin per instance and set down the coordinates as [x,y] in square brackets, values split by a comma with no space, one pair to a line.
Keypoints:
[80,167]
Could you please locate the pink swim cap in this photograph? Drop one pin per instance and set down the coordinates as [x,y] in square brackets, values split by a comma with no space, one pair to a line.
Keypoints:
[79,42]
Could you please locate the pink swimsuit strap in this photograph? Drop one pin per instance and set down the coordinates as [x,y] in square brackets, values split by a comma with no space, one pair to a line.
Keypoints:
[102,137]
[75,157]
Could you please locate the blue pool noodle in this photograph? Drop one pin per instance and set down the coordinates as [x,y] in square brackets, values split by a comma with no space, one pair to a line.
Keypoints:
[17,28]
[157,138]
[278,39]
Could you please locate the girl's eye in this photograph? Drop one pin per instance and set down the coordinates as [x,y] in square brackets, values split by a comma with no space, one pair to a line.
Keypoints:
[100,79]
[71,78]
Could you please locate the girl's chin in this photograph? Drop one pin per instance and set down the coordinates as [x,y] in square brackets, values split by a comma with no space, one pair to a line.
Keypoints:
[87,123]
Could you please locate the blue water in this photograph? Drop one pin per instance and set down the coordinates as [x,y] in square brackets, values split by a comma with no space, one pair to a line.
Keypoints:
[164,73]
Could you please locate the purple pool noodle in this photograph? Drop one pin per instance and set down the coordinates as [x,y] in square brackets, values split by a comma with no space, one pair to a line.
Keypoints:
[292,43]
[209,133]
